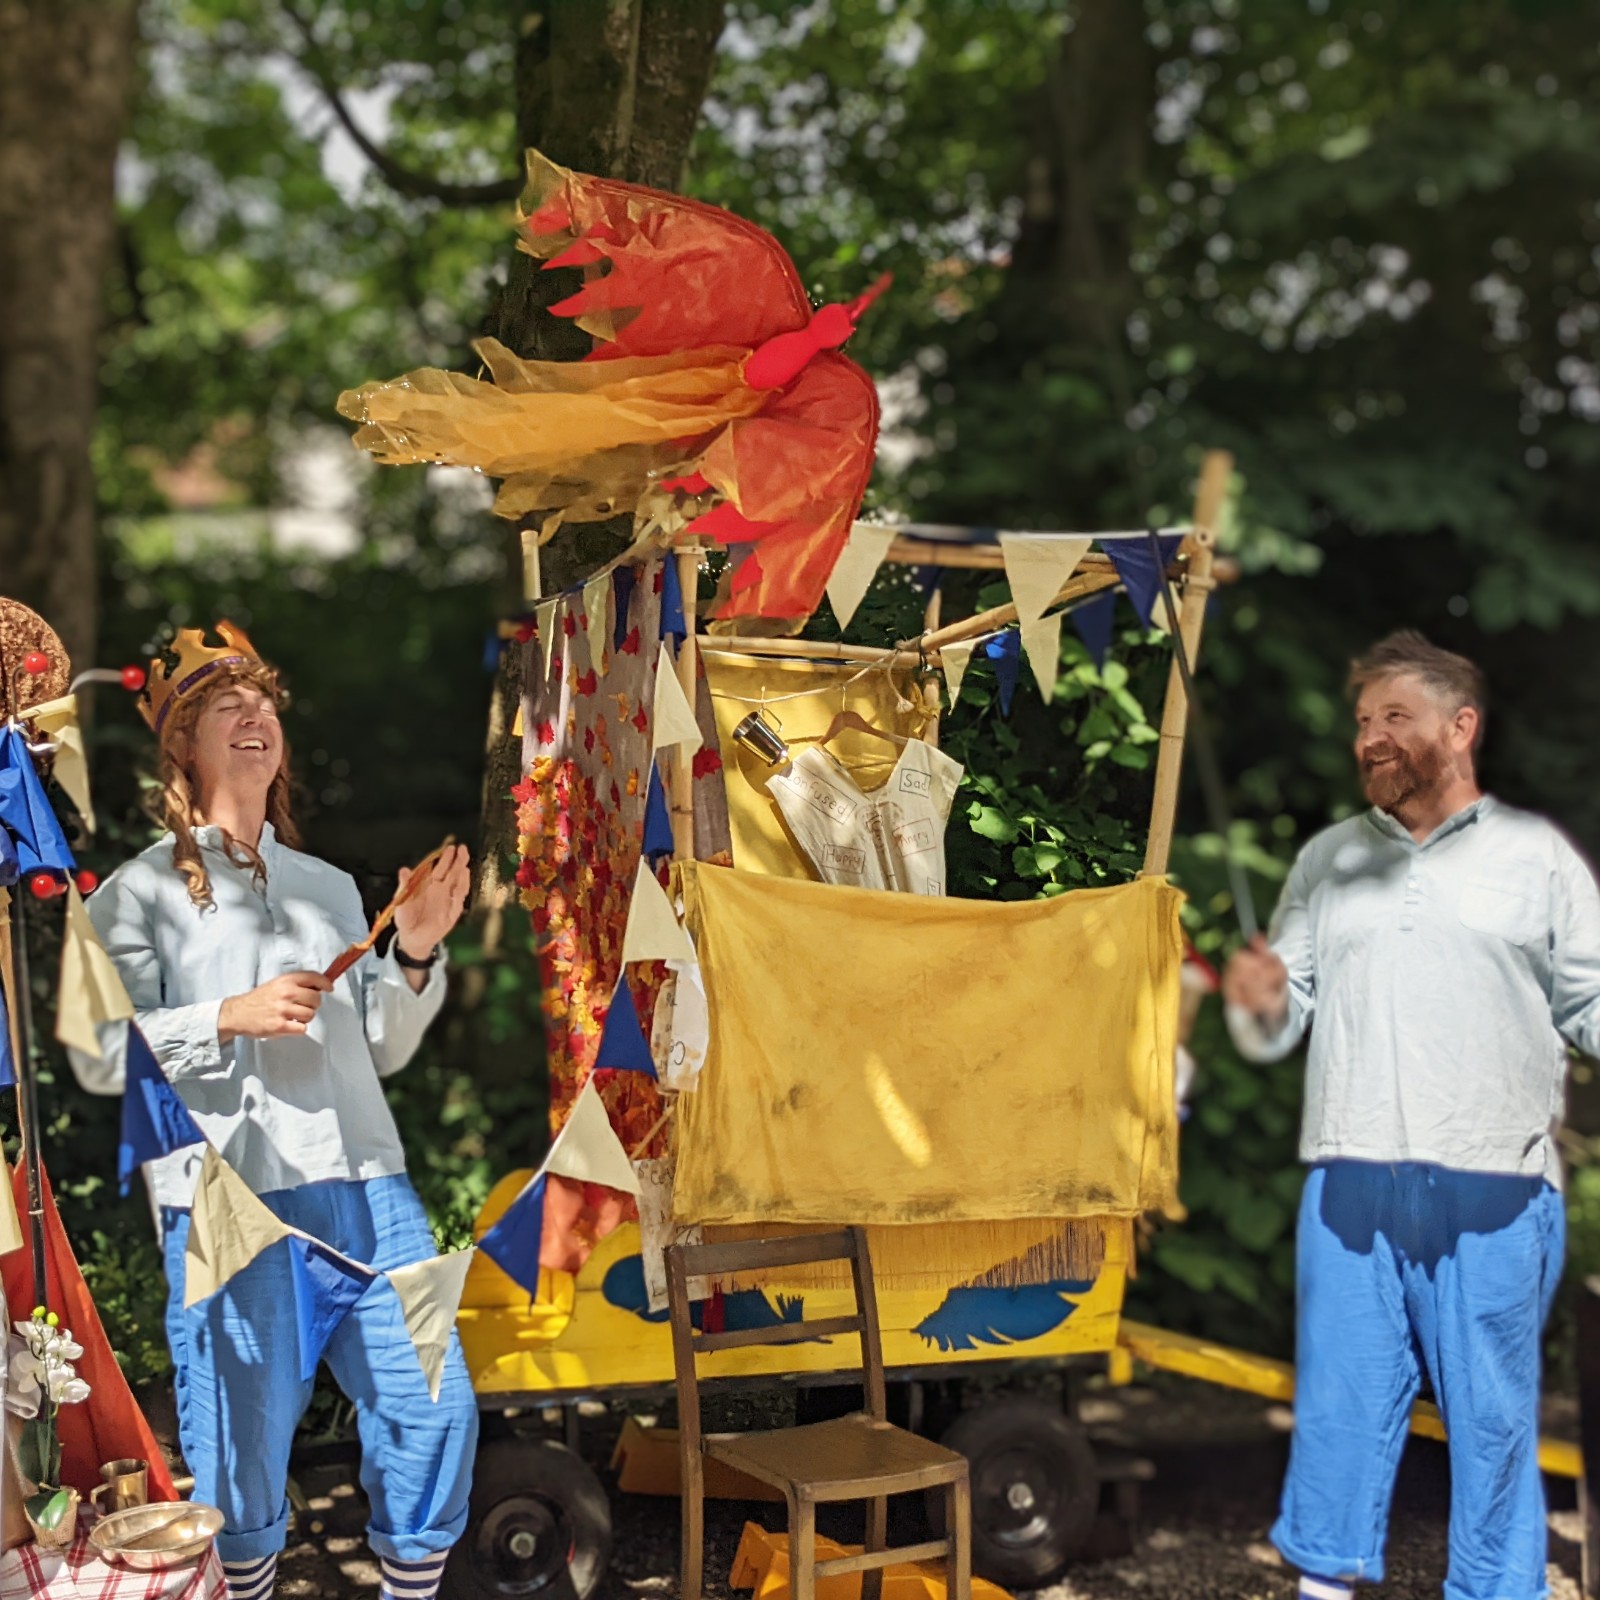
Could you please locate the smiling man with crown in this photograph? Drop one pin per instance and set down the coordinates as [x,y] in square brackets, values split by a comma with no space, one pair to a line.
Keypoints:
[222,931]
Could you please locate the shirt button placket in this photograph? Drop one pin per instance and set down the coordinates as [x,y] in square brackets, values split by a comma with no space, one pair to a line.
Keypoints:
[1408,915]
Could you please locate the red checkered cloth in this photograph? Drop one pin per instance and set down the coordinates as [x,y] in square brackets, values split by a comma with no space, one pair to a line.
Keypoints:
[77,1573]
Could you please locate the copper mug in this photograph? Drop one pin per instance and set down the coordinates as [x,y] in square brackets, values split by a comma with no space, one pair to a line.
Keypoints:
[126,1482]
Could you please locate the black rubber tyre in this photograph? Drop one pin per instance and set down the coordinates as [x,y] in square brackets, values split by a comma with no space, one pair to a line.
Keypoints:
[1035,1491]
[538,1527]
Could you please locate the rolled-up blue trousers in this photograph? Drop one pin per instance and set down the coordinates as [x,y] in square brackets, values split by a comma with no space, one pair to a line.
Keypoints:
[1402,1270]
[240,1396]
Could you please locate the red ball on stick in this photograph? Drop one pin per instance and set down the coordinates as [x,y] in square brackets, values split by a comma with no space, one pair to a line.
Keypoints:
[36,663]
[43,886]
[86,881]
[133,679]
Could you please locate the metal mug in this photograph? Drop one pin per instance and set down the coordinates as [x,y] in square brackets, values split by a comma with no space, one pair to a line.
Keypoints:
[758,736]
[126,1482]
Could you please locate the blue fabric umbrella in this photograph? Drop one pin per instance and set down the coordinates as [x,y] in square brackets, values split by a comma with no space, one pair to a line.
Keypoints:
[25,811]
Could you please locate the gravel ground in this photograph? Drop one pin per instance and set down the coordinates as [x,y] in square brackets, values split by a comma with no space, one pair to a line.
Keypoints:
[1218,1459]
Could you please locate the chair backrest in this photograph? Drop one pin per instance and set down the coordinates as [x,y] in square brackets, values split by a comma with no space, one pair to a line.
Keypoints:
[686,1261]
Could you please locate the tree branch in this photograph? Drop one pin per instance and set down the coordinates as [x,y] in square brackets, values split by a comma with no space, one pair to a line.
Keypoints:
[401,178]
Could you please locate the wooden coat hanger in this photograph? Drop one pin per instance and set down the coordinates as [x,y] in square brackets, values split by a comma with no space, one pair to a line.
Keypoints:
[854,722]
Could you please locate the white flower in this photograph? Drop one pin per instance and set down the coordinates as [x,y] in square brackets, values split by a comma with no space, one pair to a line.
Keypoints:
[66,1390]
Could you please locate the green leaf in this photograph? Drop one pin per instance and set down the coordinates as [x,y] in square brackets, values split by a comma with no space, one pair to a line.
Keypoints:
[34,1450]
[49,1506]
[989,823]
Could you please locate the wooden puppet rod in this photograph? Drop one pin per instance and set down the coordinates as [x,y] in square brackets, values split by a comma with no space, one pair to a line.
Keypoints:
[1215,471]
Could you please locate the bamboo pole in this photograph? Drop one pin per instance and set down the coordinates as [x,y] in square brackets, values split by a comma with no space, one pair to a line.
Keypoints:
[21,1011]
[930,684]
[807,650]
[1077,588]
[1215,470]
[688,673]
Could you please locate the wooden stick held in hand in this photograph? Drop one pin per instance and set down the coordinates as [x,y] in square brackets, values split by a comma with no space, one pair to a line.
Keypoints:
[419,876]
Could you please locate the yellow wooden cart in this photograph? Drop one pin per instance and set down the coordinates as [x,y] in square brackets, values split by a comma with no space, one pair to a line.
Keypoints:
[540,1518]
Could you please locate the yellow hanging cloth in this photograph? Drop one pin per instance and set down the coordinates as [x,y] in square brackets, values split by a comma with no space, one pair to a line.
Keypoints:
[890,1058]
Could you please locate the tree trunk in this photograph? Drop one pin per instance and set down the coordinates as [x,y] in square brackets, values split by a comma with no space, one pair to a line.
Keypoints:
[66,67]
[604,86]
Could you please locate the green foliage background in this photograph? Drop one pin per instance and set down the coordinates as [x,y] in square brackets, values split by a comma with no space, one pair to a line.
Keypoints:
[1364,259]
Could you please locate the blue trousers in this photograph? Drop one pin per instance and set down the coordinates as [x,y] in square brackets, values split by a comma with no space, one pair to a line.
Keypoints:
[1403,1270]
[240,1396]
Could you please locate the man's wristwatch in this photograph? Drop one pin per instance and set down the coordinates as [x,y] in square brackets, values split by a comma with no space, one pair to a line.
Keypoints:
[412,962]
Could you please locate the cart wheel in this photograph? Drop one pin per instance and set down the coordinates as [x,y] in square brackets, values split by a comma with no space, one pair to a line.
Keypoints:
[1035,1491]
[538,1526]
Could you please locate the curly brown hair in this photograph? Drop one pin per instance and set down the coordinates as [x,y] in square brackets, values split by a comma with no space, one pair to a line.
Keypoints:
[175,803]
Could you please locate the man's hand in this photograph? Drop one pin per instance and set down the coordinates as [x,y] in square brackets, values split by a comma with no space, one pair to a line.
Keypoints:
[1257,981]
[423,921]
[284,1006]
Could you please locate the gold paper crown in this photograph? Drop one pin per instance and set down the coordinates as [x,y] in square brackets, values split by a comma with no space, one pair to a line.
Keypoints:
[187,663]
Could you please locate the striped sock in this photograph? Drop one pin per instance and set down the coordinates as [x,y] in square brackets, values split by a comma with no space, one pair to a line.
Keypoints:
[411,1580]
[1325,1588]
[251,1580]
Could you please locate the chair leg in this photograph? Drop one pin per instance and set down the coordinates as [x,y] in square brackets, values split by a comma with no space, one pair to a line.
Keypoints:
[877,1539]
[692,1578]
[958,1527]
[802,1550]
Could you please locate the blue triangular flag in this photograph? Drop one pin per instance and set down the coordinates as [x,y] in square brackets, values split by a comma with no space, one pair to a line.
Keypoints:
[657,821]
[1005,651]
[929,579]
[326,1286]
[1136,566]
[155,1121]
[514,1242]
[672,602]
[10,870]
[25,811]
[623,1046]
[1094,621]
[8,1068]
[622,582]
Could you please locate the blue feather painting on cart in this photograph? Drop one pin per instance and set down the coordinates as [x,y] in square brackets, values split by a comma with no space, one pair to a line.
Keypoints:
[624,1288]
[967,1318]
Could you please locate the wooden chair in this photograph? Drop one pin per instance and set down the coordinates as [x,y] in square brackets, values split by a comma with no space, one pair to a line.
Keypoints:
[858,1457]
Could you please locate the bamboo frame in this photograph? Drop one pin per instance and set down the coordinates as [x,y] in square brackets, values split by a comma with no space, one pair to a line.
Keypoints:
[1215,471]
[688,673]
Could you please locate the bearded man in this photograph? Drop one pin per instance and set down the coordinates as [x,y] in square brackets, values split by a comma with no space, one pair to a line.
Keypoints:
[1443,949]
[221,932]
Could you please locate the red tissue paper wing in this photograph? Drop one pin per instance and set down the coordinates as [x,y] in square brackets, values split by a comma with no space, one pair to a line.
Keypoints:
[794,477]
[682,273]
[108,1426]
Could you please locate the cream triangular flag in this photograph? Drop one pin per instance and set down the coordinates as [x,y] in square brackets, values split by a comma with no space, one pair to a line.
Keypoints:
[653,933]
[954,658]
[1042,640]
[1037,564]
[547,618]
[57,720]
[10,1223]
[91,991]
[597,614]
[672,721]
[229,1228]
[587,1150]
[857,565]
[430,1297]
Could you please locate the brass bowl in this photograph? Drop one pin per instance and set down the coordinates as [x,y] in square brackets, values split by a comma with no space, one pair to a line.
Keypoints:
[149,1538]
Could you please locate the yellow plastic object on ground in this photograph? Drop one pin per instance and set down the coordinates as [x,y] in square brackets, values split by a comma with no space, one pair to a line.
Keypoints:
[1274,1380]
[762,1565]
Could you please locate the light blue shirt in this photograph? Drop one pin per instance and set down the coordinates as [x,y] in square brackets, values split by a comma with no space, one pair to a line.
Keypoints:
[285,1111]
[1441,982]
